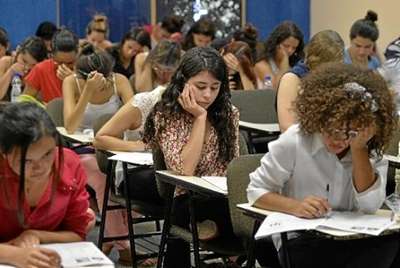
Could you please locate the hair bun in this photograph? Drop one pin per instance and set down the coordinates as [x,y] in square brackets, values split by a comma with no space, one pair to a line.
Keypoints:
[250,31]
[371,15]
[87,49]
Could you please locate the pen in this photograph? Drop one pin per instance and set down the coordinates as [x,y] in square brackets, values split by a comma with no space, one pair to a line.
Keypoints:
[329,212]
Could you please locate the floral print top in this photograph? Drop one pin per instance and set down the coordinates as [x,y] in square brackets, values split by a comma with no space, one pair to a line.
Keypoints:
[173,133]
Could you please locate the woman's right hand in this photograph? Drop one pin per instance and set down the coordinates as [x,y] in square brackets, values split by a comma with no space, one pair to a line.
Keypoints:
[95,81]
[37,258]
[284,64]
[188,102]
[312,207]
[18,68]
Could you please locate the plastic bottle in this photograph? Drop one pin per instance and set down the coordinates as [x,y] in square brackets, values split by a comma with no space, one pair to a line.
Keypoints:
[16,87]
[267,82]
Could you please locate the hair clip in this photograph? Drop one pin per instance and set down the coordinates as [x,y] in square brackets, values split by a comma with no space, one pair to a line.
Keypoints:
[355,88]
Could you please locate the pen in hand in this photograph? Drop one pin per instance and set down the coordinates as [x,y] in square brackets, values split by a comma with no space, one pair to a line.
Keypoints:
[329,212]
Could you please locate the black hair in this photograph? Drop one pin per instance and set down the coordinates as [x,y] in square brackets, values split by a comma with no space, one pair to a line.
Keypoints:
[35,47]
[248,35]
[220,112]
[91,59]
[46,30]
[64,41]
[366,27]
[281,32]
[138,34]
[4,38]
[22,124]
[202,26]
[172,23]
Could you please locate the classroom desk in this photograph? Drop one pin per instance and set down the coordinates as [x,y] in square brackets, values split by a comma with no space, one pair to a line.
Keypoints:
[258,130]
[259,215]
[260,127]
[194,185]
[78,137]
[393,160]
[140,160]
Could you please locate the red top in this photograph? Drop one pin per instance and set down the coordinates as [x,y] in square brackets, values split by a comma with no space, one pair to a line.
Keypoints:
[43,78]
[66,210]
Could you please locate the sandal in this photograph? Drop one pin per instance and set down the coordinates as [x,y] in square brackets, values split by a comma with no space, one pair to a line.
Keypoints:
[207,230]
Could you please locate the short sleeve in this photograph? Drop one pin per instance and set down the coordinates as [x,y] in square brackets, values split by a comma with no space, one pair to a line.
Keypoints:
[77,217]
[34,78]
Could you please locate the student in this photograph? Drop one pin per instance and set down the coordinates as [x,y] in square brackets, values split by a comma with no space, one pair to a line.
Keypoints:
[43,198]
[238,58]
[332,159]
[133,42]
[157,66]
[4,43]
[29,53]
[200,34]
[325,46]
[45,31]
[363,35]
[169,28]
[94,90]
[197,129]
[44,81]
[283,49]
[390,69]
[97,32]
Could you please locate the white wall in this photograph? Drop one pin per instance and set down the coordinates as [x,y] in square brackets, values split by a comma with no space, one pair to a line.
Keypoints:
[339,15]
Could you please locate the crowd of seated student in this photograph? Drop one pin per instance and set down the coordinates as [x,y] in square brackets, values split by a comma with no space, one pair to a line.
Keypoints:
[183,107]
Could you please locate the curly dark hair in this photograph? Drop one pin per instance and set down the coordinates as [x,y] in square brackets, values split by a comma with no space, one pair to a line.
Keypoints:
[324,103]
[281,32]
[220,113]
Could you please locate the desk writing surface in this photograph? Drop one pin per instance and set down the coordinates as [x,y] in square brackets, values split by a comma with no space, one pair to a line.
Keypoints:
[333,232]
[138,158]
[191,182]
[392,158]
[77,136]
[268,128]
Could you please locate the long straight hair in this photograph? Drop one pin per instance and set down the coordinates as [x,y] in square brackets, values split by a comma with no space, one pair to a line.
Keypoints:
[22,124]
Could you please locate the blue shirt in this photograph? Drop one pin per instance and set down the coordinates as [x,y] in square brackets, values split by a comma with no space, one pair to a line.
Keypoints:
[373,62]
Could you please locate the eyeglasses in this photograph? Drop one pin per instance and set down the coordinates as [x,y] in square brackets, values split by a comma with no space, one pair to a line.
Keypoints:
[342,134]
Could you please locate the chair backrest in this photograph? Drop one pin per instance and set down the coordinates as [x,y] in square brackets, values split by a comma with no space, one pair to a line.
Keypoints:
[256,106]
[238,180]
[101,157]
[55,108]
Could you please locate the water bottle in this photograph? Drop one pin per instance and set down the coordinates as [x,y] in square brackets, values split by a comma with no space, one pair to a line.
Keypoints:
[16,87]
[267,82]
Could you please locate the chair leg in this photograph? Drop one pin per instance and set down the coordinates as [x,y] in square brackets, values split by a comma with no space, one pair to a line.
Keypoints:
[131,233]
[158,226]
[105,204]
[166,227]
[251,260]
[195,236]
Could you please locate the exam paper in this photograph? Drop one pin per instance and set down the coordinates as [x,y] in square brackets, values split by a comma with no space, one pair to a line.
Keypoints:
[219,182]
[138,158]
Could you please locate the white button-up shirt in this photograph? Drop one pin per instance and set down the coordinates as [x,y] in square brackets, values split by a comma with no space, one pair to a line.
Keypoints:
[299,165]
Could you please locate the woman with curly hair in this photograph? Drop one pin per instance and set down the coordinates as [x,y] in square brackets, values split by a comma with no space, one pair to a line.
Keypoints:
[332,159]
[197,129]
[283,49]
[325,46]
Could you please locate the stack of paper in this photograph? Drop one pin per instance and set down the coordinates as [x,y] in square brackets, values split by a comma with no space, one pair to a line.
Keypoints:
[345,221]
